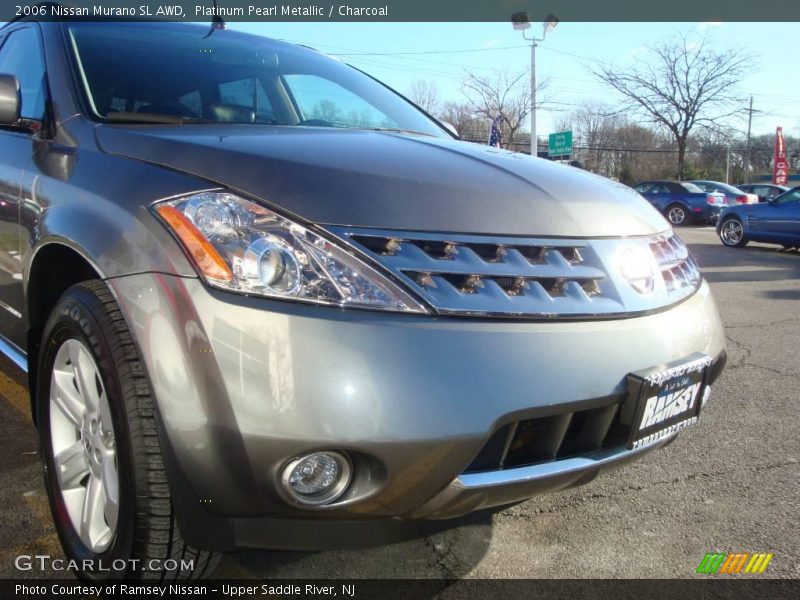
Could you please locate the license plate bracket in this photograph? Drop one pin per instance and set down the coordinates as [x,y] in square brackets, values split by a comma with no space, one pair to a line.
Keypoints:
[667,399]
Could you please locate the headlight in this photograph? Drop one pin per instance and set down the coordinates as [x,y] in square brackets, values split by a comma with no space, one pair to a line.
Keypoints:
[638,268]
[240,246]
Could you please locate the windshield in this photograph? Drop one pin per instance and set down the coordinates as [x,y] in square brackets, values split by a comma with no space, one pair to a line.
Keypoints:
[729,189]
[160,72]
[691,187]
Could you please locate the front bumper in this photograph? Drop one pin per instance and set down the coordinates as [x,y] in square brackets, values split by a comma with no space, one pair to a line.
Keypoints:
[244,384]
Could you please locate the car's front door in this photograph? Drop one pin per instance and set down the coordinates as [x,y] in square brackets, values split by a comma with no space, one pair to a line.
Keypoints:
[656,193]
[21,55]
[785,217]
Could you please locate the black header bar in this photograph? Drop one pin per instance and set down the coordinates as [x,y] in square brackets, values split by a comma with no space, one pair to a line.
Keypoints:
[411,10]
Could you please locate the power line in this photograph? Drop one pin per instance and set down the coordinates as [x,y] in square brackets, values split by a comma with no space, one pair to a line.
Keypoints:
[572,54]
[409,69]
[360,56]
[430,51]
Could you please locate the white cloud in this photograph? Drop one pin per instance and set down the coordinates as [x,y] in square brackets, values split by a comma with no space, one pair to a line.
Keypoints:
[709,24]
[490,43]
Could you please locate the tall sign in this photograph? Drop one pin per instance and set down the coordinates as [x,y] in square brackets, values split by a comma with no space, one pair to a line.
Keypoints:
[780,169]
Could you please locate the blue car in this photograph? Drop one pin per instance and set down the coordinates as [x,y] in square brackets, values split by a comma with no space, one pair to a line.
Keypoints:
[682,202]
[774,222]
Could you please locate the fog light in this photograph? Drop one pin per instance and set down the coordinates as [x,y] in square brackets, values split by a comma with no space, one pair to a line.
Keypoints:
[317,478]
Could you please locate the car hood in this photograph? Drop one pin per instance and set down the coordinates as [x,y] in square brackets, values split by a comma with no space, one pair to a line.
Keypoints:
[392,181]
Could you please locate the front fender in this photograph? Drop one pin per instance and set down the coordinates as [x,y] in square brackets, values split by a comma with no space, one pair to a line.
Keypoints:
[99,208]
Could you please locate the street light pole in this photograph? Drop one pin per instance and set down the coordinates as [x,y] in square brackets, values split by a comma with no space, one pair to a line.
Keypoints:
[521,23]
[534,139]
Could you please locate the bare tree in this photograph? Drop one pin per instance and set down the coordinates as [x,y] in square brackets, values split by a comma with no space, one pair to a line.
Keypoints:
[461,116]
[325,110]
[680,85]
[594,125]
[501,93]
[425,94]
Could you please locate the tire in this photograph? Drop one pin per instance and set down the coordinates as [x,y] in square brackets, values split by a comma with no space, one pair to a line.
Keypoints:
[100,422]
[677,215]
[731,233]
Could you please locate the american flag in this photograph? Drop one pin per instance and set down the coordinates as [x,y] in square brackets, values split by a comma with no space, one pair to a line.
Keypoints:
[495,137]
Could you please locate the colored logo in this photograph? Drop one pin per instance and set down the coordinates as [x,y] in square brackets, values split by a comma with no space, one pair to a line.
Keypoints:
[735,562]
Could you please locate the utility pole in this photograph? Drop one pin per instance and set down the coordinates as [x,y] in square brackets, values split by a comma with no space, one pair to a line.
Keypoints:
[534,140]
[747,147]
[728,165]
[521,23]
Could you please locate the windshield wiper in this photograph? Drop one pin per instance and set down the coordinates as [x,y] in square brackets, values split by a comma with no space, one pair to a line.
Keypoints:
[152,118]
[397,130]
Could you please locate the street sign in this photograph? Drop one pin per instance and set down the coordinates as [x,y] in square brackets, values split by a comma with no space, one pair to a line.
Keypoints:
[560,144]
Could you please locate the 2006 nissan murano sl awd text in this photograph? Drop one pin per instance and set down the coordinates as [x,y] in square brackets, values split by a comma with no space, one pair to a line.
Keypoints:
[265,301]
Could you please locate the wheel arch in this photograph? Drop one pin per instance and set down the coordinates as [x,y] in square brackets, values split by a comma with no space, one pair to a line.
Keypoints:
[682,203]
[55,265]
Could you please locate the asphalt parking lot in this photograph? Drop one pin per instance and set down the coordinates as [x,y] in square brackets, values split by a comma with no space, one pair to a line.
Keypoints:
[731,484]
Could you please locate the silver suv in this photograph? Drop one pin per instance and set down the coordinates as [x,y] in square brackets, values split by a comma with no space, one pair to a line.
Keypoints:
[265,301]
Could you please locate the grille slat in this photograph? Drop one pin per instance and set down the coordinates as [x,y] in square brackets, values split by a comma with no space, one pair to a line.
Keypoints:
[589,435]
[512,431]
[545,446]
[476,266]
[555,258]
[493,452]
[515,259]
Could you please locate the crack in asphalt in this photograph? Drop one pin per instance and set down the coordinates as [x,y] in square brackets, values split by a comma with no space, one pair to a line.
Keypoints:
[776,371]
[770,324]
[745,361]
[444,559]
[531,514]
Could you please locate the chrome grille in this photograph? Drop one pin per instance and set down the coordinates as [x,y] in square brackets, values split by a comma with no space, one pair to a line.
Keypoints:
[528,277]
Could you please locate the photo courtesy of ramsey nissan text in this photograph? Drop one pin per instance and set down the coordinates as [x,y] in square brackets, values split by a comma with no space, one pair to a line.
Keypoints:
[399,301]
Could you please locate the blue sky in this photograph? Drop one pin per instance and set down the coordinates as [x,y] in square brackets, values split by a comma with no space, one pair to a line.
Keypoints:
[562,57]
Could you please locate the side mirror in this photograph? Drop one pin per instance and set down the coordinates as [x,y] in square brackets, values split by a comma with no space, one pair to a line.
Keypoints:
[451,128]
[9,100]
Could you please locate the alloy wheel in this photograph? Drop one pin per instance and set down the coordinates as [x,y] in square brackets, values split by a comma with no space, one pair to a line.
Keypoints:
[731,232]
[676,215]
[83,445]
